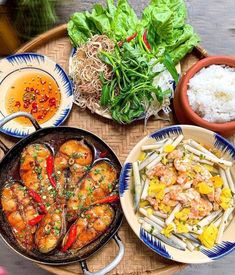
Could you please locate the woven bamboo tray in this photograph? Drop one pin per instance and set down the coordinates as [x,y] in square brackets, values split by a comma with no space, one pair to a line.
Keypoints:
[138,258]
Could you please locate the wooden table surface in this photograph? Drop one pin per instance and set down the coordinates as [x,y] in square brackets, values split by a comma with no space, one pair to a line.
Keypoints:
[215,23]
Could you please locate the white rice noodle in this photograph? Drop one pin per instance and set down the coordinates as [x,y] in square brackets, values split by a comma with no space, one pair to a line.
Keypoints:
[223,224]
[208,157]
[172,215]
[223,176]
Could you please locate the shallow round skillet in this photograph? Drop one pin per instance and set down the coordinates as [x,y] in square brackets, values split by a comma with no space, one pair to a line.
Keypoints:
[9,170]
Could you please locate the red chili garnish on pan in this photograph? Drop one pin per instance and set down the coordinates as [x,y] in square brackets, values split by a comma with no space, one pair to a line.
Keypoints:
[128,39]
[146,40]
[103,154]
[36,220]
[110,199]
[50,165]
[37,198]
[71,238]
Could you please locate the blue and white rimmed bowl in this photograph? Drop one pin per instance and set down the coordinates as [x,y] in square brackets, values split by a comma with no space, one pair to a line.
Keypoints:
[200,135]
[11,66]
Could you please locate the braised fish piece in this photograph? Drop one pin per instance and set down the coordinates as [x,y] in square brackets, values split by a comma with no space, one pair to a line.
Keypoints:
[33,172]
[88,227]
[71,163]
[20,210]
[51,229]
[98,184]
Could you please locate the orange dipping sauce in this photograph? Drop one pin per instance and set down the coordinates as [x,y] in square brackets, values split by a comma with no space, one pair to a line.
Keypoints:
[34,92]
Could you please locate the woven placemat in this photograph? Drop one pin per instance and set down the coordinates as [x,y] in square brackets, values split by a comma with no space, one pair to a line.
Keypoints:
[138,258]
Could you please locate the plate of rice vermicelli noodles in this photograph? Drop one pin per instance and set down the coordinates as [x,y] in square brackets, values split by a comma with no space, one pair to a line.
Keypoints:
[124,67]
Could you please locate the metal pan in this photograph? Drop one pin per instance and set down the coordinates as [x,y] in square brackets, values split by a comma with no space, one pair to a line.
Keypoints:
[9,169]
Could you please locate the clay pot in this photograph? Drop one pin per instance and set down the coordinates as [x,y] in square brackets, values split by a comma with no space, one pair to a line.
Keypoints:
[185,113]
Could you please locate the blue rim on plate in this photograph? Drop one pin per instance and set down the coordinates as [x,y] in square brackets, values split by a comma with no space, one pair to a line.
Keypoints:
[25,61]
[126,196]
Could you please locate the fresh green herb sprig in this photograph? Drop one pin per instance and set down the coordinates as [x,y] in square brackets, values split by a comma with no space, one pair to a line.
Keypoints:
[127,93]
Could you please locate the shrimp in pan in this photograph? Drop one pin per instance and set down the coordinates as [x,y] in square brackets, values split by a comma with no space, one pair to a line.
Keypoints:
[19,210]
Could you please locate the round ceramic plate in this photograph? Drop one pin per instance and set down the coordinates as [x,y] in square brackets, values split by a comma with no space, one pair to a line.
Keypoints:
[13,67]
[200,135]
[105,112]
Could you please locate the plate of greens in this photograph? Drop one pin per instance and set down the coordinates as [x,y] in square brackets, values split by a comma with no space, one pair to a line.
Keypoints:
[124,67]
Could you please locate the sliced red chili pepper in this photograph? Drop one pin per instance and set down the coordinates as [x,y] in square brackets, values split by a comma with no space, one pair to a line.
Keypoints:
[146,40]
[37,198]
[40,117]
[17,104]
[103,154]
[26,105]
[128,39]
[42,208]
[50,165]
[71,238]
[36,220]
[44,98]
[110,199]
[52,102]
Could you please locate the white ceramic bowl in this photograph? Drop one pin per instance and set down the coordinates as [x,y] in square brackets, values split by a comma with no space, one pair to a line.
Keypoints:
[13,67]
[200,135]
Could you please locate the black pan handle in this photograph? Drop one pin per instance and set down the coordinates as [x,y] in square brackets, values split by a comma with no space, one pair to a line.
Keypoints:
[110,266]
[6,119]
[19,114]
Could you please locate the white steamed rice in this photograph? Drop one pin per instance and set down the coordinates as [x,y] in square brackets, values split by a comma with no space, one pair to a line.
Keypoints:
[211,93]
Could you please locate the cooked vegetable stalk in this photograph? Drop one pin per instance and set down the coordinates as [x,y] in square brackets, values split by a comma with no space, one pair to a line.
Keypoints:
[145,190]
[148,160]
[208,157]
[229,179]
[209,218]
[200,147]
[223,224]
[172,215]
[152,217]
[137,182]
[223,176]
[172,241]
[151,147]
